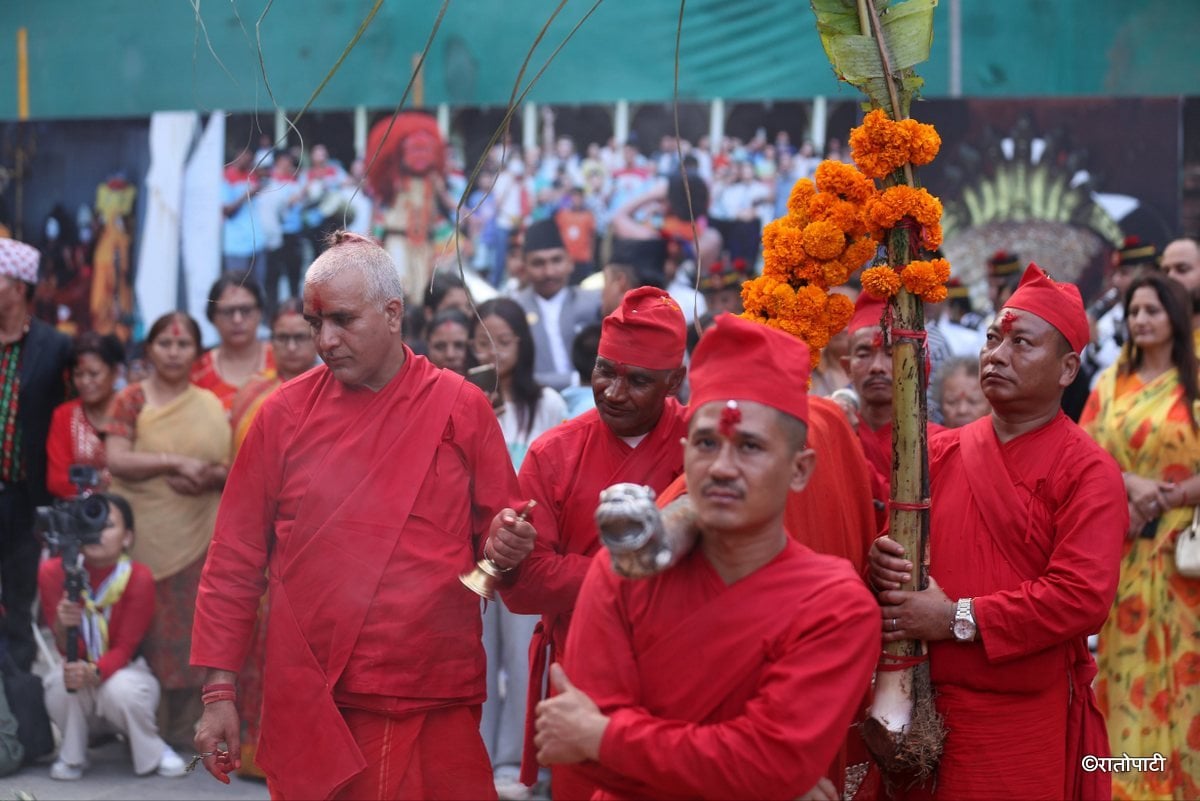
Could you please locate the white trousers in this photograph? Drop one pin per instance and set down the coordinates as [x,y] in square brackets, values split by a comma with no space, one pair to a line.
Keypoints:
[125,703]
[506,638]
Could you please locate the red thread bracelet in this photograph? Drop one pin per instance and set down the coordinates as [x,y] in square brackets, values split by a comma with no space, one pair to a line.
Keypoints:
[207,688]
[217,695]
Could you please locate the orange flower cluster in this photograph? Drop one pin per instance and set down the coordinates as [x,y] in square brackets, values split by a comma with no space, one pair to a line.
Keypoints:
[893,204]
[822,239]
[880,146]
[926,279]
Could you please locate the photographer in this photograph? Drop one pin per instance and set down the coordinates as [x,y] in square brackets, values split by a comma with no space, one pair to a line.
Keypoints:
[110,686]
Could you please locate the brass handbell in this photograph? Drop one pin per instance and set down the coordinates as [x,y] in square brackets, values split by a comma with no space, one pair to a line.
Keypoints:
[482,579]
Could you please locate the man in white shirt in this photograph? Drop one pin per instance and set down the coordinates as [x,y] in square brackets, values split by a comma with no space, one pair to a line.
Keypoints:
[556,312]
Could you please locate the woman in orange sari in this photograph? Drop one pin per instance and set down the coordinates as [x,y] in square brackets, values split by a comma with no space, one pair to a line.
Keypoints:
[1144,412]
[295,353]
[235,308]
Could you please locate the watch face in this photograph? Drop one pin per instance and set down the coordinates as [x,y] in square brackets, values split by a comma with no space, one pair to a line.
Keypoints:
[964,630]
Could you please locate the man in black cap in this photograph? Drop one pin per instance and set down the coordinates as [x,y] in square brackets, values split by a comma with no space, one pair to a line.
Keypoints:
[1133,256]
[556,311]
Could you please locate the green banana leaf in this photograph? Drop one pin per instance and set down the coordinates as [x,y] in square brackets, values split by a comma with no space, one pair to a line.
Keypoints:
[907,28]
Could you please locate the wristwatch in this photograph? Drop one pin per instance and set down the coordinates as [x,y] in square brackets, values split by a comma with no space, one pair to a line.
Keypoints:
[964,627]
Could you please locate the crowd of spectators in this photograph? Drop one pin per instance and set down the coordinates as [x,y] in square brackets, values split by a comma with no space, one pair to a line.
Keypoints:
[554,238]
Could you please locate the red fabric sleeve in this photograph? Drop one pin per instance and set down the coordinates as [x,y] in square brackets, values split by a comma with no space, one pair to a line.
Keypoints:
[234,576]
[1072,597]
[787,736]
[124,411]
[548,581]
[50,589]
[130,621]
[58,453]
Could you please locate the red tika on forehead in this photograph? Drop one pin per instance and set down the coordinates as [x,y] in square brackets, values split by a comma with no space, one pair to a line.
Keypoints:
[731,415]
[1007,321]
[176,329]
[877,340]
[313,299]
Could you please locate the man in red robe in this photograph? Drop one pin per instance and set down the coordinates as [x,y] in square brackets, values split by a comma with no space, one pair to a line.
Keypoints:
[1026,529]
[734,673]
[834,515]
[632,435]
[869,365]
[363,490]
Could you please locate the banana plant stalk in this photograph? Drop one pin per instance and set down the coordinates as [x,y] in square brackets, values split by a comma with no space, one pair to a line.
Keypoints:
[873,45]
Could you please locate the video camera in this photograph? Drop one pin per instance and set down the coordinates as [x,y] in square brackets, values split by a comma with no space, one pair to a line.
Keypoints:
[66,526]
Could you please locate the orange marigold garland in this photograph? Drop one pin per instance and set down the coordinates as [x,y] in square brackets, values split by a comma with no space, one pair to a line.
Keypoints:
[822,239]
[834,225]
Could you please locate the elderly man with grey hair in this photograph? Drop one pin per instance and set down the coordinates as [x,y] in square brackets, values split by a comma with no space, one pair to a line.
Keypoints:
[364,488]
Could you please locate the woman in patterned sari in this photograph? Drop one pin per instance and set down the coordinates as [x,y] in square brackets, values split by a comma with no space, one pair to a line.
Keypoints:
[1144,412]
[168,451]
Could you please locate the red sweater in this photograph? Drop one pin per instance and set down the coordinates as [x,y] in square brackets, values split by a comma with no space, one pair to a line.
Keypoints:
[131,615]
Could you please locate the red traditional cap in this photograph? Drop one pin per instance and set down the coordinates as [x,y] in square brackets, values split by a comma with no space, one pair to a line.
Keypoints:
[646,330]
[745,361]
[1059,304]
[868,311]
[19,261]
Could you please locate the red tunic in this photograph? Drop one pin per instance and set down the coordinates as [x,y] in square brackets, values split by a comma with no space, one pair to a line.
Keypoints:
[130,618]
[877,447]
[833,515]
[72,440]
[1032,530]
[564,471]
[723,691]
[367,507]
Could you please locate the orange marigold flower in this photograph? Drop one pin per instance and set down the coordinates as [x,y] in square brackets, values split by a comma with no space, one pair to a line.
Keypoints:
[842,213]
[841,179]
[838,311]
[934,294]
[824,240]
[802,191]
[882,282]
[879,146]
[920,277]
[859,252]
[923,141]
[783,247]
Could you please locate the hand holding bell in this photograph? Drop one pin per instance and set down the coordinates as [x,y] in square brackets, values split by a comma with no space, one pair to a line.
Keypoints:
[482,579]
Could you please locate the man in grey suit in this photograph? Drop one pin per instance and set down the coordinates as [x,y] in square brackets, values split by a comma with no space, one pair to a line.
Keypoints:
[556,311]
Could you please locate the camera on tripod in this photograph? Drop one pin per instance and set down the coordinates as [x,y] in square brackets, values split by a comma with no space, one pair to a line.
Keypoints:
[68,525]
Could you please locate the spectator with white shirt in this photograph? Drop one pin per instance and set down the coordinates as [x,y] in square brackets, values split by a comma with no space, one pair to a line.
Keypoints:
[555,311]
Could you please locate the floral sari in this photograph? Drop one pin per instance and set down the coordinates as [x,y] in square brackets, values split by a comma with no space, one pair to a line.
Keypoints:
[1149,657]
